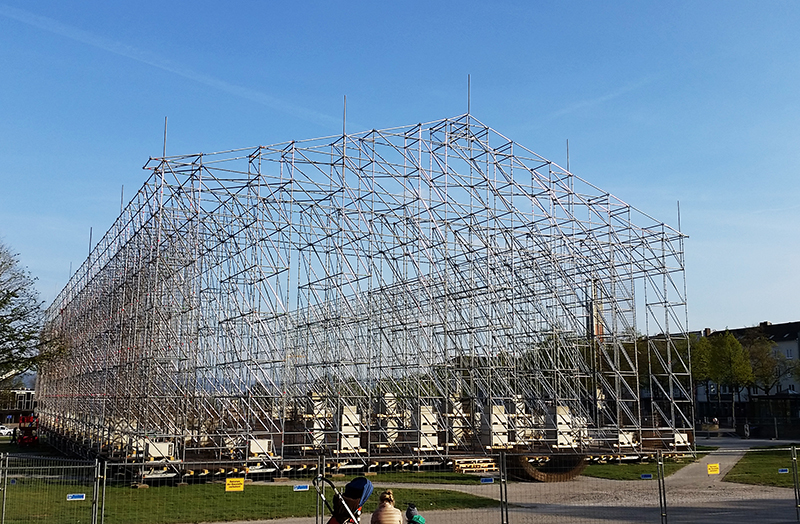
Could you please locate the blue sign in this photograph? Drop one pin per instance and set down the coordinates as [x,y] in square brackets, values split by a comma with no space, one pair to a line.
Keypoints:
[301,487]
[783,470]
[76,496]
[487,480]
[647,476]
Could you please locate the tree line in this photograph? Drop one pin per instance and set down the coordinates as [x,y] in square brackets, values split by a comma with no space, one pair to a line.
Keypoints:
[749,363]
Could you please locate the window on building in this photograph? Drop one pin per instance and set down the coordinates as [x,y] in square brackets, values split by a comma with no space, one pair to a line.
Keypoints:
[789,353]
[791,387]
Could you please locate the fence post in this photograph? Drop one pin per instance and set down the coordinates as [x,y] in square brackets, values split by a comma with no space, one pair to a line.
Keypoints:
[662,489]
[320,506]
[503,489]
[4,460]
[95,490]
[796,483]
[103,499]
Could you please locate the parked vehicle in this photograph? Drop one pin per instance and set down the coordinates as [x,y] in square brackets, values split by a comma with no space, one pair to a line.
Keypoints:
[5,431]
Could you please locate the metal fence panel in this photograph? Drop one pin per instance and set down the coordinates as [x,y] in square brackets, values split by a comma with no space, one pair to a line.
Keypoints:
[198,493]
[585,499]
[715,486]
[51,490]
[720,487]
[733,486]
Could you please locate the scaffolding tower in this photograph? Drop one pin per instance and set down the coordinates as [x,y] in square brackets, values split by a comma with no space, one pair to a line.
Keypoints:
[435,289]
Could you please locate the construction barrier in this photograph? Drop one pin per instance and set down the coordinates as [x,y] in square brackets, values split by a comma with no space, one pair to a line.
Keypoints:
[715,485]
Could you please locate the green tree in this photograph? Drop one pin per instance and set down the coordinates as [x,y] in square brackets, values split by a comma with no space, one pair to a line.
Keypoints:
[769,366]
[8,398]
[20,317]
[730,366]
[701,363]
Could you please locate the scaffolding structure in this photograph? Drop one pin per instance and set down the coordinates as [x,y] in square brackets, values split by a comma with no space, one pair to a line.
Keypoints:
[435,289]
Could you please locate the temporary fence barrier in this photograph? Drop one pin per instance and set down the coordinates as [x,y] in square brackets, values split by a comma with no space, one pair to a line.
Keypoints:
[759,485]
[47,489]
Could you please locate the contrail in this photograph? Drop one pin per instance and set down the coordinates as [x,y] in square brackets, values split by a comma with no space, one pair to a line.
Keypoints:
[604,98]
[85,37]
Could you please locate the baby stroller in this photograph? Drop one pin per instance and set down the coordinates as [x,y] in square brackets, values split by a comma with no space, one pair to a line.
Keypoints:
[347,506]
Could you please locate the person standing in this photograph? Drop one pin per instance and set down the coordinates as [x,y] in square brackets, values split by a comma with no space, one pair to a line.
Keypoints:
[386,512]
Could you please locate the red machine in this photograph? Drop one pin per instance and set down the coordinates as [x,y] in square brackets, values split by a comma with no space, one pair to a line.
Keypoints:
[28,431]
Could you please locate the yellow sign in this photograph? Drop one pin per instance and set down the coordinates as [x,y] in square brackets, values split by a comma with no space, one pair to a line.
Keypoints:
[713,469]
[234,484]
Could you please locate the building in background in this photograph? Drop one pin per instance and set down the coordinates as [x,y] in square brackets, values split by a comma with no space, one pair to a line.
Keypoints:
[769,407]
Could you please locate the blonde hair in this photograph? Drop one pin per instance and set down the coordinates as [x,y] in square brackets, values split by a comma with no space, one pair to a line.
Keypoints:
[387,496]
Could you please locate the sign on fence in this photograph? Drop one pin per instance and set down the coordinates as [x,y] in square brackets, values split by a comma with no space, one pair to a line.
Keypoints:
[783,470]
[234,484]
[487,480]
[713,469]
[76,496]
[301,487]
[647,476]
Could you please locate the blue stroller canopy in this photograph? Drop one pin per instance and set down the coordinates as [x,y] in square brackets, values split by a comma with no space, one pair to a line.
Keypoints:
[360,488]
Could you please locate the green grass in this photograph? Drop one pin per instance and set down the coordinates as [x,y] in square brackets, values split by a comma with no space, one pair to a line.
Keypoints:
[634,470]
[39,500]
[760,466]
[210,502]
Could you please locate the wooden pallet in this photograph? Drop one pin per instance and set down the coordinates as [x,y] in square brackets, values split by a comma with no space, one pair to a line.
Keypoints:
[474,465]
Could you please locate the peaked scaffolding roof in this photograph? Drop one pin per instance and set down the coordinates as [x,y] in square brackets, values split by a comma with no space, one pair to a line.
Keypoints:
[438,264]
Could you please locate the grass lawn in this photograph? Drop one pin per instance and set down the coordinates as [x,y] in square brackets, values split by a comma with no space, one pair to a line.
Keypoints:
[210,502]
[45,501]
[635,470]
[42,502]
[761,466]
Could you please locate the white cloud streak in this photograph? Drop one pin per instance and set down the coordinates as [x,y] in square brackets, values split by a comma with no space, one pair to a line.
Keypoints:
[604,98]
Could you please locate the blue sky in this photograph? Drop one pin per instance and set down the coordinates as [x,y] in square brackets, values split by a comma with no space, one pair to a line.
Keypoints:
[697,102]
